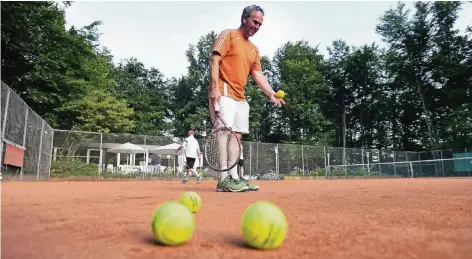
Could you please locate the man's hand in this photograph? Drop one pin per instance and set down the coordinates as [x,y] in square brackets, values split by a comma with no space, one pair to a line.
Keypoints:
[276,101]
[214,92]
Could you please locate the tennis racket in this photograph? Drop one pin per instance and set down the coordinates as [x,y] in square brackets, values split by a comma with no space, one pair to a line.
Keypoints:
[222,146]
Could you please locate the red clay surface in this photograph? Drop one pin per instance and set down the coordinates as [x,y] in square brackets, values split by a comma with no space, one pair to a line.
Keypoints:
[390,218]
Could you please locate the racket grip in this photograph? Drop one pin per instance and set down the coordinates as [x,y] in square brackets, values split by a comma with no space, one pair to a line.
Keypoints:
[217,105]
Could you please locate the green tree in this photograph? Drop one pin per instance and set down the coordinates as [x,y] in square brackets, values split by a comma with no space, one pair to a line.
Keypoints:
[145,90]
[299,69]
[99,111]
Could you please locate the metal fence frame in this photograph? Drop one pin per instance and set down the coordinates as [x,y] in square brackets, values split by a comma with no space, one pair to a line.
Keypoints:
[30,126]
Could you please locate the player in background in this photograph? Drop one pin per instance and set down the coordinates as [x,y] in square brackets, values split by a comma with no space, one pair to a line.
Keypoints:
[233,58]
[192,152]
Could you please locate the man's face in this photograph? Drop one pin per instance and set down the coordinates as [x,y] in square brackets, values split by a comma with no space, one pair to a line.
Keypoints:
[253,23]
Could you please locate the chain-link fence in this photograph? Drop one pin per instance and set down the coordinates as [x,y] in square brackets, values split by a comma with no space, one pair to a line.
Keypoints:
[26,140]
[261,160]
[58,153]
[349,163]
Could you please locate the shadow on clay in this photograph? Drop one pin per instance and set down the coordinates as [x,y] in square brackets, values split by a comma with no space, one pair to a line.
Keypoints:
[195,188]
[238,242]
[150,240]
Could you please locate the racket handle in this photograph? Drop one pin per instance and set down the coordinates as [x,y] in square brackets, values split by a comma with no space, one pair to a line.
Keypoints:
[217,105]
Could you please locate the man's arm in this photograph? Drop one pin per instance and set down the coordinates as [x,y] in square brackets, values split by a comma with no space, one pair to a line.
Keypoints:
[214,74]
[262,82]
[181,146]
[264,85]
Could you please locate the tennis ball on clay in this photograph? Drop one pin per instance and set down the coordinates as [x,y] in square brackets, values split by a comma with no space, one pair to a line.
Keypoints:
[280,94]
[172,223]
[191,200]
[263,225]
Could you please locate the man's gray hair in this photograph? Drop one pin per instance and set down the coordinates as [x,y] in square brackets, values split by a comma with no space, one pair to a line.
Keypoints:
[249,10]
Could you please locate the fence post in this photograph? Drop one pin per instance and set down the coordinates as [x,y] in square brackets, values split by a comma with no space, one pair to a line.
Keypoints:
[368,162]
[303,163]
[250,160]
[411,168]
[50,152]
[100,160]
[1,136]
[5,115]
[394,165]
[257,157]
[24,140]
[421,166]
[326,166]
[380,156]
[362,155]
[442,163]
[277,159]
[40,150]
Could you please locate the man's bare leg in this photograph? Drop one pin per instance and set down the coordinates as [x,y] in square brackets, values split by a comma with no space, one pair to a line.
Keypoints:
[187,175]
[241,171]
[222,153]
[234,147]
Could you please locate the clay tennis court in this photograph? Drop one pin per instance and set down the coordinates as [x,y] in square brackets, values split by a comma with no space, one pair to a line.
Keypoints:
[377,218]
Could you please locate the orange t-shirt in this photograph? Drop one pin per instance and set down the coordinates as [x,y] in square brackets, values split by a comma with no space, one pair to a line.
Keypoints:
[239,57]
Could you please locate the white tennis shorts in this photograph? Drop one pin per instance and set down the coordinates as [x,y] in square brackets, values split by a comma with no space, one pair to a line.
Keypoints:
[235,114]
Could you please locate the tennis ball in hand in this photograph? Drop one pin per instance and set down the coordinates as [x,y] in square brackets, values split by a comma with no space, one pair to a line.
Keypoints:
[172,223]
[263,225]
[191,200]
[280,94]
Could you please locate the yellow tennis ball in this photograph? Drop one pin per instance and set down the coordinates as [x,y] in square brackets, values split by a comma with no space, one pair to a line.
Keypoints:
[192,200]
[264,225]
[172,223]
[280,94]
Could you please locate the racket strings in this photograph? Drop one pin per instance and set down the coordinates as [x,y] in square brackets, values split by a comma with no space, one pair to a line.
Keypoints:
[221,149]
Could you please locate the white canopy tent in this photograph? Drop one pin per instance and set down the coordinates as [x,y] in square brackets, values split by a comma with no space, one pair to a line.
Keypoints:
[127,148]
[170,149]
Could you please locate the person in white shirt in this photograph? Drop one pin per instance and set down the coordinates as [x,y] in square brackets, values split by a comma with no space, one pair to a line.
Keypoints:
[192,152]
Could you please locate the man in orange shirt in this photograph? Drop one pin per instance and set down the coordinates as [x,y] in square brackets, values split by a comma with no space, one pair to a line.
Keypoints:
[233,58]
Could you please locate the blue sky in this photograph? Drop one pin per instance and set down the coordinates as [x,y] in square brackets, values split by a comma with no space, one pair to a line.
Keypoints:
[159,33]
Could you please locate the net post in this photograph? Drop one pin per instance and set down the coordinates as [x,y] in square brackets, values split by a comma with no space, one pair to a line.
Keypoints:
[24,140]
[40,150]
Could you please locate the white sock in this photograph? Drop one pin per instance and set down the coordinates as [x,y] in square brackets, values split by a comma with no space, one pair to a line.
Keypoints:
[234,173]
[223,175]
[195,172]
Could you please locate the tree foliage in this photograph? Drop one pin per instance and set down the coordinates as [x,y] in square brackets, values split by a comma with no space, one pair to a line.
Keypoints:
[414,94]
